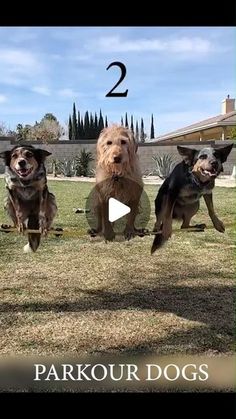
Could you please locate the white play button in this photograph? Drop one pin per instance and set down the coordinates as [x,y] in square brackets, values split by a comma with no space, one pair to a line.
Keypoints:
[116,209]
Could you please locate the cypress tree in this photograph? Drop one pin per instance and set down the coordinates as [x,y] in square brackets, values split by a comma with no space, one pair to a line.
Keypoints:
[126,121]
[100,122]
[91,127]
[106,122]
[86,125]
[81,128]
[96,125]
[132,124]
[74,124]
[70,128]
[142,137]
[122,122]
[152,134]
[137,132]
[78,126]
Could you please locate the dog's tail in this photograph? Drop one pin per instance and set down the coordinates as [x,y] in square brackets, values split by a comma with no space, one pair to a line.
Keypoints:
[157,242]
[33,238]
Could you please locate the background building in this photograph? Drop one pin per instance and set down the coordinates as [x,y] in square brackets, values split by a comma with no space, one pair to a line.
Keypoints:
[215,128]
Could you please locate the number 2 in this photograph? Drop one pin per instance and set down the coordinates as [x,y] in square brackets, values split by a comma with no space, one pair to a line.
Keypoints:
[123,74]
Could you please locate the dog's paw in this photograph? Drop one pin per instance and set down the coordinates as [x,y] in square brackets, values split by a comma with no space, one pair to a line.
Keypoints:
[200,226]
[109,235]
[219,225]
[43,228]
[27,248]
[20,228]
[141,232]
[129,233]
[43,231]
[93,232]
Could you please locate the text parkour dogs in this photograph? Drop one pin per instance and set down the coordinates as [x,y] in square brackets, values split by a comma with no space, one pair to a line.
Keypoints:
[118,372]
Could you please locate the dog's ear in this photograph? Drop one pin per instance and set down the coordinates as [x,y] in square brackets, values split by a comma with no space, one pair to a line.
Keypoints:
[188,154]
[135,143]
[223,152]
[132,140]
[42,153]
[6,156]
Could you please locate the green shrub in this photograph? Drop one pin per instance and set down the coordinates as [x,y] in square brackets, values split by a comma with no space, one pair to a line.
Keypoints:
[82,162]
[67,167]
[164,165]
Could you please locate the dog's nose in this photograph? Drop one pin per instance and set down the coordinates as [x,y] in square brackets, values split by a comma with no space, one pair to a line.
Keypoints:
[214,164]
[117,159]
[22,163]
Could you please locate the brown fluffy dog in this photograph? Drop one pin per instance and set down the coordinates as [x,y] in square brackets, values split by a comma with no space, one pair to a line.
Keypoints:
[118,176]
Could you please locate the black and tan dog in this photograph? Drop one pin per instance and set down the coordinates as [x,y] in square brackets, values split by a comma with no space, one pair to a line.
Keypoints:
[179,195]
[28,203]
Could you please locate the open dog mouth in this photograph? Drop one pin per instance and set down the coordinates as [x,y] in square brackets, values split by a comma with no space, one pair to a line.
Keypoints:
[210,173]
[23,172]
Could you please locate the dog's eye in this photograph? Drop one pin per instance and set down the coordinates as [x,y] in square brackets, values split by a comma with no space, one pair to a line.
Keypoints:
[109,142]
[14,156]
[28,155]
[203,156]
[123,142]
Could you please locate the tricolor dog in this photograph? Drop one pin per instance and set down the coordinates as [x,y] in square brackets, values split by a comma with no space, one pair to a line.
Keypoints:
[179,195]
[29,202]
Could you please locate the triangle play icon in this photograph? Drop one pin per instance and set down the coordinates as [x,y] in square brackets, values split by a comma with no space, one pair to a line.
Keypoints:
[116,209]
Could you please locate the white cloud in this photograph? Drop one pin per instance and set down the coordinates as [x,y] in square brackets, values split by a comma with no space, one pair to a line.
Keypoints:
[22,60]
[67,93]
[196,45]
[3,98]
[18,66]
[42,90]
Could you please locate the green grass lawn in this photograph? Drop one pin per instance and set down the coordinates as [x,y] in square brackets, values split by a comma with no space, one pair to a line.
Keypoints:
[83,296]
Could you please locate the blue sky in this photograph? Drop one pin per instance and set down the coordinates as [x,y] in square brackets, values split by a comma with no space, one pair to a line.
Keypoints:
[180,74]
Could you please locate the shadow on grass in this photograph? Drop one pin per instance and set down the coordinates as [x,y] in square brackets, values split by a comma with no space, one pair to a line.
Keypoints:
[211,305]
[195,340]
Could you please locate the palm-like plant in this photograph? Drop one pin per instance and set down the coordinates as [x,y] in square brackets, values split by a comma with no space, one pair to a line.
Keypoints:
[67,167]
[164,165]
[82,162]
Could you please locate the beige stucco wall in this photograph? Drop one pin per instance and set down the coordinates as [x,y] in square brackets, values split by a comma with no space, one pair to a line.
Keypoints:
[68,149]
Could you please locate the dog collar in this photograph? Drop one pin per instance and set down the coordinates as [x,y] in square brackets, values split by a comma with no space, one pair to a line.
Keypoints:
[197,181]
